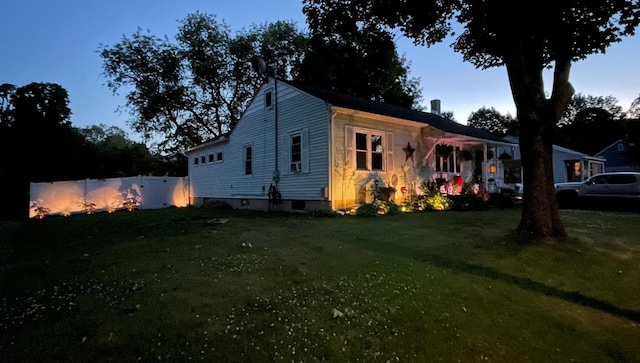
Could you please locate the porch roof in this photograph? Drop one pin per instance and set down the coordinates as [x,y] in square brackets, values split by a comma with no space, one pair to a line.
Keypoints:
[451,129]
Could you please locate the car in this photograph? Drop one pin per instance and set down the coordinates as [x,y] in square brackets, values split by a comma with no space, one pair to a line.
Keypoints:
[609,189]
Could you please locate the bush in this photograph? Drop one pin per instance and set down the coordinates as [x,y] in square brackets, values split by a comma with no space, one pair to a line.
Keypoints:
[367,210]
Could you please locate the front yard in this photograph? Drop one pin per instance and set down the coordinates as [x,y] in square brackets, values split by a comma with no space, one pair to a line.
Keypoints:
[182,285]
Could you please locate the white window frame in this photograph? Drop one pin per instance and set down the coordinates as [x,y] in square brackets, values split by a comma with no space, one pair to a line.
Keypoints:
[369,151]
[269,94]
[244,159]
[298,168]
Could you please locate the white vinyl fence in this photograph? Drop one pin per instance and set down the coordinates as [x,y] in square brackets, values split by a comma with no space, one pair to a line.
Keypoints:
[107,195]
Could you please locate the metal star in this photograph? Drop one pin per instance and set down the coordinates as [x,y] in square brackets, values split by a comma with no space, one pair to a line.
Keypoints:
[408,151]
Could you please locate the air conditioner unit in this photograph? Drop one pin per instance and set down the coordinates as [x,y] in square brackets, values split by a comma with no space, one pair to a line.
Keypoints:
[296,167]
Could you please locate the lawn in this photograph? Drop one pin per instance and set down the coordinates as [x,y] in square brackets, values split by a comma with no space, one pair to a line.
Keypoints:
[172,285]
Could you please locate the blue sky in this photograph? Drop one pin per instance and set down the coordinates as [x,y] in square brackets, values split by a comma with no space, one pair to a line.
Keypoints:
[57,41]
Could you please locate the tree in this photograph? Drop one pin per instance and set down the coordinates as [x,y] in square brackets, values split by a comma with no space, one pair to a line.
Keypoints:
[590,123]
[493,122]
[113,154]
[448,115]
[363,63]
[195,86]
[579,103]
[35,116]
[526,37]
[634,110]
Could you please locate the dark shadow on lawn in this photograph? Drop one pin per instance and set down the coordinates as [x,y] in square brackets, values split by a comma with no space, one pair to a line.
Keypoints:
[491,273]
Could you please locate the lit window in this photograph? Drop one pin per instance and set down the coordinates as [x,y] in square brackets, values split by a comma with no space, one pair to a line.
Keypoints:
[369,150]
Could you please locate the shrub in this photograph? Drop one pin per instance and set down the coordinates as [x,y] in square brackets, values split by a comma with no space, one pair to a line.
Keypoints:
[367,210]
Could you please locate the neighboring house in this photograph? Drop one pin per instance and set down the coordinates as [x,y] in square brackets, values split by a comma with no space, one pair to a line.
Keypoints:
[304,148]
[568,165]
[621,156]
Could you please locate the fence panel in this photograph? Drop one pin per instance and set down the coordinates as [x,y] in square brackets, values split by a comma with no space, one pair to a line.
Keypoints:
[107,195]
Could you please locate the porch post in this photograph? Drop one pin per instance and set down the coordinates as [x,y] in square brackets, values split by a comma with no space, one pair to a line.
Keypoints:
[485,180]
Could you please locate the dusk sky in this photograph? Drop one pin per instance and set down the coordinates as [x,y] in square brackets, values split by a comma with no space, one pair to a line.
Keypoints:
[57,41]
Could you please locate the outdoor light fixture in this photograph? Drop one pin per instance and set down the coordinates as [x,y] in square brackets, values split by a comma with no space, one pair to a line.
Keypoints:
[492,168]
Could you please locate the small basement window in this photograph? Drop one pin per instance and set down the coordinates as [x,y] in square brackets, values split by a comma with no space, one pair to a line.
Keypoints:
[297,205]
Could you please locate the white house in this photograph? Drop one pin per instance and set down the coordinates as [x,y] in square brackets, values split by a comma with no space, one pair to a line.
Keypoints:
[568,165]
[303,148]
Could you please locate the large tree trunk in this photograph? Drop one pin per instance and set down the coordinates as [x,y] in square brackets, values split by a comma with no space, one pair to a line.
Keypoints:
[537,117]
[540,214]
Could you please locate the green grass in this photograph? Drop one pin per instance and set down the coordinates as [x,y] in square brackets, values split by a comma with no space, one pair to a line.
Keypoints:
[166,285]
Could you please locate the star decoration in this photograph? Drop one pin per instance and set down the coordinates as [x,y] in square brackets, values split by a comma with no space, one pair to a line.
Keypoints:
[408,151]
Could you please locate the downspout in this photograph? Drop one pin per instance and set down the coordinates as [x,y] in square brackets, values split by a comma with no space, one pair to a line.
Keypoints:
[332,115]
[276,172]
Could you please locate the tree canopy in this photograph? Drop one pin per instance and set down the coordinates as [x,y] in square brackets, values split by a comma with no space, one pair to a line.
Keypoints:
[527,37]
[493,122]
[364,63]
[194,87]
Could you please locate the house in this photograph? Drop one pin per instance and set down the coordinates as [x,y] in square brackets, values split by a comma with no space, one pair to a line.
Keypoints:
[621,156]
[304,148]
[568,165]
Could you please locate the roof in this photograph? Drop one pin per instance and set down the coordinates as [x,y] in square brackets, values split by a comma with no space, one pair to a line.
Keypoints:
[380,108]
[610,146]
[559,148]
[216,140]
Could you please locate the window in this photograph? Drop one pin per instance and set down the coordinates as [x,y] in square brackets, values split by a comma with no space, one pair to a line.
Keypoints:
[195,160]
[247,160]
[211,158]
[369,150]
[296,153]
[620,147]
[202,159]
[219,157]
[268,99]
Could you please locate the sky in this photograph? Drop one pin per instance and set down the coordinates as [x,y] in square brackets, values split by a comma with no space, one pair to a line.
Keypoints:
[57,42]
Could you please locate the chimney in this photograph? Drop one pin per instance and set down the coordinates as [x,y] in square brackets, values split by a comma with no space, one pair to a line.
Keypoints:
[435,107]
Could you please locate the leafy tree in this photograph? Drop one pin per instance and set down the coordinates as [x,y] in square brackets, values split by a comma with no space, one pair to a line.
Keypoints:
[36,116]
[364,63]
[634,110]
[526,37]
[448,115]
[493,122]
[579,104]
[591,123]
[195,86]
[115,155]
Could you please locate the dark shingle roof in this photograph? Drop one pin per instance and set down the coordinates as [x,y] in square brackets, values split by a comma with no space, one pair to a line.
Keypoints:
[380,108]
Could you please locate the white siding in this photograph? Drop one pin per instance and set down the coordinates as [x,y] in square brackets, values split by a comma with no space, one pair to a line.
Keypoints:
[297,111]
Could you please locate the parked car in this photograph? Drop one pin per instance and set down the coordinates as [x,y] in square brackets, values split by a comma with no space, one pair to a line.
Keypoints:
[614,189]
